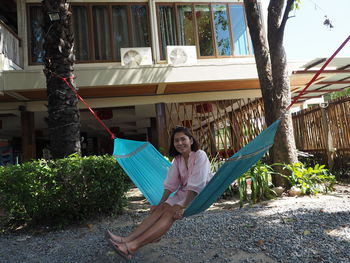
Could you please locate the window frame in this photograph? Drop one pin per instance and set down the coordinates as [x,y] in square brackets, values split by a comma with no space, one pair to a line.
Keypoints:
[111,40]
[158,26]
[91,44]
[29,34]
[195,25]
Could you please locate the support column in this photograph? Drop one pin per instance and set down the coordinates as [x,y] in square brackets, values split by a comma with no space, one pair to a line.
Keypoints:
[152,132]
[28,135]
[328,138]
[161,128]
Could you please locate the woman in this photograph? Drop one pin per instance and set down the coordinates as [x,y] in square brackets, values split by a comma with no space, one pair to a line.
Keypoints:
[188,174]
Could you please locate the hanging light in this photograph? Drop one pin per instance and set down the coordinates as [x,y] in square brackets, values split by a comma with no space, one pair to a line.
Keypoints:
[54,16]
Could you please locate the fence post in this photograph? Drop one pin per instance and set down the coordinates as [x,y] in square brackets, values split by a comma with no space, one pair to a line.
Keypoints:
[327,137]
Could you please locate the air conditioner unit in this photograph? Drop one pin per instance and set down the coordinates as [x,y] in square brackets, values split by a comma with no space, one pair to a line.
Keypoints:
[179,55]
[136,56]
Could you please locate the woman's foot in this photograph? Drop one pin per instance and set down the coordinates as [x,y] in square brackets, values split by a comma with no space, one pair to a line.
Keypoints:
[122,249]
[115,238]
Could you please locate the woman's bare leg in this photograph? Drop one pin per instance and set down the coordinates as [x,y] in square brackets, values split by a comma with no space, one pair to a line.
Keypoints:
[145,224]
[155,231]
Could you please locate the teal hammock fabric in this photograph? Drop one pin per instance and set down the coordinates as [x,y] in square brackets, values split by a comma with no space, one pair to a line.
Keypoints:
[147,168]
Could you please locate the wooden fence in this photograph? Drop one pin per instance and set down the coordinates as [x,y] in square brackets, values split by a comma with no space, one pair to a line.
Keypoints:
[221,127]
[325,131]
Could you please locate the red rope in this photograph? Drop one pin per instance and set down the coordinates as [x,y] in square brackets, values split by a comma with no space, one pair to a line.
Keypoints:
[87,105]
[318,73]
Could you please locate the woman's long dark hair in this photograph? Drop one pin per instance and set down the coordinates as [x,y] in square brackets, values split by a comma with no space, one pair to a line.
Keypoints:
[172,151]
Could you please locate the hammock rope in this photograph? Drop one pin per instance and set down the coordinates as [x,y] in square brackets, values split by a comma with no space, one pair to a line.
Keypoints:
[147,168]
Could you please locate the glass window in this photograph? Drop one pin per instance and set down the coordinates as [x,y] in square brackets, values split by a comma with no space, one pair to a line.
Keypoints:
[222,32]
[36,34]
[81,33]
[120,29]
[102,44]
[186,28]
[240,37]
[140,26]
[167,28]
[205,34]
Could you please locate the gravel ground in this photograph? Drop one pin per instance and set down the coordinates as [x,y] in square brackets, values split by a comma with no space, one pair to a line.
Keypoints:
[288,229]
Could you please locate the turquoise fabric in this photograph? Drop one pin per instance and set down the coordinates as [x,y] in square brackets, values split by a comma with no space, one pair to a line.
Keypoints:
[233,168]
[147,168]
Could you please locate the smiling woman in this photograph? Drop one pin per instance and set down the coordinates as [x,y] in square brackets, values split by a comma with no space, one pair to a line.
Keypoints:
[187,176]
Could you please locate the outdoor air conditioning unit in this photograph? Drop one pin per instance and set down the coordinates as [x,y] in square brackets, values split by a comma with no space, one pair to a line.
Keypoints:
[136,56]
[180,55]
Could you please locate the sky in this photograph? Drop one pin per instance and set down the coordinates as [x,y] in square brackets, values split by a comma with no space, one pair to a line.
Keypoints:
[307,38]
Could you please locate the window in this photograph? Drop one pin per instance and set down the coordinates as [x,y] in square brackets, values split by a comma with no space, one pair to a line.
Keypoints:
[113,26]
[239,30]
[36,34]
[81,33]
[186,25]
[205,34]
[139,26]
[100,30]
[218,30]
[222,31]
[167,27]
[120,30]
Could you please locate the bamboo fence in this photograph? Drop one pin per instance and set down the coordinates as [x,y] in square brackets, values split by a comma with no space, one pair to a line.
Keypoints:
[325,131]
[223,127]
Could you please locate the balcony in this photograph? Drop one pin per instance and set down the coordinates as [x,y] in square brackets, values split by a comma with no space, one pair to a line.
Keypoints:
[9,49]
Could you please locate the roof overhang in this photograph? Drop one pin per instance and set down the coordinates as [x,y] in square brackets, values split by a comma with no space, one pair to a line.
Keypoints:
[335,77]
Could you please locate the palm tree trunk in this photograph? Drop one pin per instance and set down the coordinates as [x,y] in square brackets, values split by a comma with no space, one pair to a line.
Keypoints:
[63,115]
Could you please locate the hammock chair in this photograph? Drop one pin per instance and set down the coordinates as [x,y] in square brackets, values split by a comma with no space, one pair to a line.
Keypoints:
[147,168]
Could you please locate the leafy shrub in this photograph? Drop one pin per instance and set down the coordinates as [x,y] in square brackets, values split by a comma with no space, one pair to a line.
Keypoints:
[61,191]
[311,180]
[259,177]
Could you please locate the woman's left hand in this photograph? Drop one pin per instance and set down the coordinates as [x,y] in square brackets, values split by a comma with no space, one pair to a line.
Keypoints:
[179,210]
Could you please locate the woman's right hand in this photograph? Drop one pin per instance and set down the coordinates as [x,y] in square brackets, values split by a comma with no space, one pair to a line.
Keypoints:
[154,208]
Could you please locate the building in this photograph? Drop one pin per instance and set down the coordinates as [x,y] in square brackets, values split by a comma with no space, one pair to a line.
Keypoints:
[135,62]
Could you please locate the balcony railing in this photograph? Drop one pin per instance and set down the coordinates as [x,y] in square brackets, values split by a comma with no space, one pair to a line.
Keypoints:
[9,44]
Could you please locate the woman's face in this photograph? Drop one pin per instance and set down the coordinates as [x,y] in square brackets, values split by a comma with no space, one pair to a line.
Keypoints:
[182,143]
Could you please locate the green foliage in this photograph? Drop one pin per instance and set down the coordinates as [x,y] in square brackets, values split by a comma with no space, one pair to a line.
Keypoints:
[311,180]
[61,191]
[337,94]
[296,5]
[259,177]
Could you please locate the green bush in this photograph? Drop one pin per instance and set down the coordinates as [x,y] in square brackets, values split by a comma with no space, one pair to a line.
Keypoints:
[310,180]
[61,191]
[259,177]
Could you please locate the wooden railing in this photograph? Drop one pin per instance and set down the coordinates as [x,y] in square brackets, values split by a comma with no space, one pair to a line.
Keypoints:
[9,43]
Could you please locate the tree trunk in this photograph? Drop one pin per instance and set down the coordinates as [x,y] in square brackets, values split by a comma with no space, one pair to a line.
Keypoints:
[271,63]
[63,115]
[262,57]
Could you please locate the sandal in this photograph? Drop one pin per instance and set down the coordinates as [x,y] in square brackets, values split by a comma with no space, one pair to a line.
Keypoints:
[127,256]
